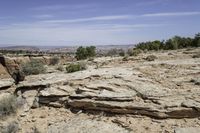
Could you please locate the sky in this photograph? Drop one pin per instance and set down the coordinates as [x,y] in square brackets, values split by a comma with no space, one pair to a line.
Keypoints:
[95,22]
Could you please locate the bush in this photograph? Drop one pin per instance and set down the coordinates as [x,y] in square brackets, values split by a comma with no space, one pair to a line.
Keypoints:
[83,53]
[151,58]
[136,52]
[18,76]
[33,68]
[76,67]
[54,61]
[8,105]
[121,52]
[173,43]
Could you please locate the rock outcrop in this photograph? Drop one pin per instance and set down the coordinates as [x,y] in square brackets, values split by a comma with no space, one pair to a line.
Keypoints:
[114,90]
[6,80]
[112,95]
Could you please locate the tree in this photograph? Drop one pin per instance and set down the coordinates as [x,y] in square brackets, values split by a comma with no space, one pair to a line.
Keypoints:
[91,51]
[155,45]
[173,43]
[121,52]
[196,41]
[83,53]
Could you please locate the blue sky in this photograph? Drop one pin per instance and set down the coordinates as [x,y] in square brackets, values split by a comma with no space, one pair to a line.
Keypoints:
[100,22]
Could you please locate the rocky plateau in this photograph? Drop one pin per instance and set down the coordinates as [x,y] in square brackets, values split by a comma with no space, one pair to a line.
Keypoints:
[111,95]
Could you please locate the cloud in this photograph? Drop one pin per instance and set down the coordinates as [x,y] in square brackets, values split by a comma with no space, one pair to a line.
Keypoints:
[43,16]
[123,27]
[147,3]
[120,17]
[169,14]
[150,2]
[49,7]
[99,18]
[61,6]
[37,33]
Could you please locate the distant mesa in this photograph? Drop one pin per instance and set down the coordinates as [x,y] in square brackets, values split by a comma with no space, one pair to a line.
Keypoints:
[24,48]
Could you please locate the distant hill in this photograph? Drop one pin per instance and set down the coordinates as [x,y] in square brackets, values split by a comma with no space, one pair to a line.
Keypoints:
[24,48]
[72,49]
[64,49]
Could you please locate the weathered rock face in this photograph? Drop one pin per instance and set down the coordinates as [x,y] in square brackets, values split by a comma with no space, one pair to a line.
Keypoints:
[3,72]
[114,90]
[12,66]
[6,80]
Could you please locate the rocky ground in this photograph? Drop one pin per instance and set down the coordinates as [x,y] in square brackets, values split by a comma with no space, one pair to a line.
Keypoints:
[112,95]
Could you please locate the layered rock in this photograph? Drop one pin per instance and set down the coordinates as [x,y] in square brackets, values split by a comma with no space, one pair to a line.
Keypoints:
[113,90]
[6,80]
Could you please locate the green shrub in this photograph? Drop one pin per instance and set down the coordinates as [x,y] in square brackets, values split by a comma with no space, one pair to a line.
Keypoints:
[83,53]
[33,67]
[121,52]
[8,105]
[54,61]
[134,52]
[18,76]
[76,67]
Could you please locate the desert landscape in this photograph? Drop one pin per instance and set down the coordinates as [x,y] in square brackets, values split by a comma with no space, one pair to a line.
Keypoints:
[113,94]
[99,66]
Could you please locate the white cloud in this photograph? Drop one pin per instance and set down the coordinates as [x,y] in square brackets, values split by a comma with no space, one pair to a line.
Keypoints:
[49,7]
[46,32]
[150,2]
[120,17]
[62,6]
[50,34]
[168,14]
[99,18]
[43,16]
